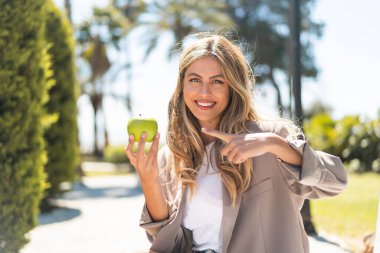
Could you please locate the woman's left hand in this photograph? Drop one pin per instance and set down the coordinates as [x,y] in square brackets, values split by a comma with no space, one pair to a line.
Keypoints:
[240,147]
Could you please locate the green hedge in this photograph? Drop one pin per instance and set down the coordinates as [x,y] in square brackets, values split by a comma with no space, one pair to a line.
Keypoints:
[23,91]
[355,139]
[115,154]
[62,136]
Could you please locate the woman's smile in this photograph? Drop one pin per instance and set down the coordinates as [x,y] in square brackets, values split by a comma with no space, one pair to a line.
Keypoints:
[205,105]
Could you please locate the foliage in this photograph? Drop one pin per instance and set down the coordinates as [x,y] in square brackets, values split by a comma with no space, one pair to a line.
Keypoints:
[115,154]
[23,91]
[62,136]
[321,132]
[265,27]
[262,25]
[181,18]
[354,139]
[103,32]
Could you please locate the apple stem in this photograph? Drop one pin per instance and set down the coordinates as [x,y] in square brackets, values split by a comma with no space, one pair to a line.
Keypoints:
[140,115]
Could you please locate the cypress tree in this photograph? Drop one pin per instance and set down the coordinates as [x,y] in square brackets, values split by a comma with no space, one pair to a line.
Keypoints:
[23,92]
[62,136]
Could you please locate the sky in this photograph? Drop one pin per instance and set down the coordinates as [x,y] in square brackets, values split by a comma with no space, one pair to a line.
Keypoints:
[347,56]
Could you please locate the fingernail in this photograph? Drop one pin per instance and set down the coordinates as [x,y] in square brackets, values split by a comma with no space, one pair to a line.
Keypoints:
[157,135]
[143,135]
[131,137]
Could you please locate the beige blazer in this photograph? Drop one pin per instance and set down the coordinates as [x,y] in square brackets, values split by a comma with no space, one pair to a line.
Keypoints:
[266,218]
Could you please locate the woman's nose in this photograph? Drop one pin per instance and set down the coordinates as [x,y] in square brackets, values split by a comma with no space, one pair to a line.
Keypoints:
[205,88]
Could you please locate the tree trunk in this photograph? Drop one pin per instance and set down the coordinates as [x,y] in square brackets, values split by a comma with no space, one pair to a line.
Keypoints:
[296,79]
[307,218]
[68,10]
[276,87]
[97,152]
[106,137]
[96,102]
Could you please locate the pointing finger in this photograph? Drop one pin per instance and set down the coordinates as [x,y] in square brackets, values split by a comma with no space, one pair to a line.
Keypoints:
[218,134]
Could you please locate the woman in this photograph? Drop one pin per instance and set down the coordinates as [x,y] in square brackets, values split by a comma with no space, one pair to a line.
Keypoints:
[227,181]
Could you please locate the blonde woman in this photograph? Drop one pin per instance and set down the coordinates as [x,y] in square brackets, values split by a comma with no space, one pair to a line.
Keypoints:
[227,181]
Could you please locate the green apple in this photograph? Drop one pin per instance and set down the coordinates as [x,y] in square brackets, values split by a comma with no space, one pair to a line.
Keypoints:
[137,126]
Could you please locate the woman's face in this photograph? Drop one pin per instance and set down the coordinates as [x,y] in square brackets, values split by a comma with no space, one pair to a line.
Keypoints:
[206,91]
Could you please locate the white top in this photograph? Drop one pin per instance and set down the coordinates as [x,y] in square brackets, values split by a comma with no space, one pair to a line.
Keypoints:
[203,212]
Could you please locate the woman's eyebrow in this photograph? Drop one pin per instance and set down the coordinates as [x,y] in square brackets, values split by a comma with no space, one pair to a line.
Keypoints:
[211,77]
[217,76]
[193,74]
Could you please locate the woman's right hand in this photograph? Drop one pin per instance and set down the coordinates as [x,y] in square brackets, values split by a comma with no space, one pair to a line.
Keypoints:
[145,165]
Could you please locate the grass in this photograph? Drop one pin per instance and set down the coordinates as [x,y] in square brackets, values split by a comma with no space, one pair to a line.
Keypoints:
[353,213]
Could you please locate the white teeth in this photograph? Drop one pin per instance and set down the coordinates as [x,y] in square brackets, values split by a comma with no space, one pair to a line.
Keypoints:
[205,103]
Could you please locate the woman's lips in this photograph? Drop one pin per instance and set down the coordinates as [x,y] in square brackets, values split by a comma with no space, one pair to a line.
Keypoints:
[205,105]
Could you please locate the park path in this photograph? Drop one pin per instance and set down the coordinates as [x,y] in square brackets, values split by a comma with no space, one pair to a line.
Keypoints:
[102,216]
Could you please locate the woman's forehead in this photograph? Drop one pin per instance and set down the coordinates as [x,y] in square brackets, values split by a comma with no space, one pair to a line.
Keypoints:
[205,65]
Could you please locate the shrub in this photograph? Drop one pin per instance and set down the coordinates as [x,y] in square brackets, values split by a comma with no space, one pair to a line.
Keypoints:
[354,139]
[363,146]
[62,136]
[115,154]
[23,91]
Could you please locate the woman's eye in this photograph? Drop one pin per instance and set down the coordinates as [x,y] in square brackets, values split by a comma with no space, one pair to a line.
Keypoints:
[217,82]
[194,80]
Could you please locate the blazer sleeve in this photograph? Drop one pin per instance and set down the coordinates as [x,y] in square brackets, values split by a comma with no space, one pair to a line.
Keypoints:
[321,174]
[153,227]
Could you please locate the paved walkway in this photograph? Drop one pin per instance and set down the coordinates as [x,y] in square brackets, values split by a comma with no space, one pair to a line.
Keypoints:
[102,217]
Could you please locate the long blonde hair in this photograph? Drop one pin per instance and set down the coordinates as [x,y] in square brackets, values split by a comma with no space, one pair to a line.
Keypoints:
[184,132]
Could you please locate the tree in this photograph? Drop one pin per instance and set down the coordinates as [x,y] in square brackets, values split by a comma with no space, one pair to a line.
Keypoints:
[68,10]
[96,36]
[181,18]
[24,72]
[296,85]
[264,27]
[96,55]
[62,136]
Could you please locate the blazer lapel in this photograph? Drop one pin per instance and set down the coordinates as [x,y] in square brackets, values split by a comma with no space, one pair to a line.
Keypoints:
[229,218]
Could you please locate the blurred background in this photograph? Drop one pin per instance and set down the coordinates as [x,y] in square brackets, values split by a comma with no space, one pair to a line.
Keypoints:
[340,38]
[72,73]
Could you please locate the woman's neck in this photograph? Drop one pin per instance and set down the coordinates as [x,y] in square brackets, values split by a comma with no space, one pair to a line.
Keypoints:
[207,139]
